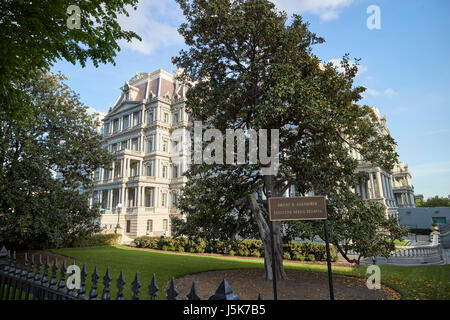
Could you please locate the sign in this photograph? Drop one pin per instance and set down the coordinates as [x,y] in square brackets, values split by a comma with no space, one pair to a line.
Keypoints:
[297,208]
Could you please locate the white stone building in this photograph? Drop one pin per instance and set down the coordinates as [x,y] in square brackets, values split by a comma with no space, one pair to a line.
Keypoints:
[145,130]
[379,187]
[402,187]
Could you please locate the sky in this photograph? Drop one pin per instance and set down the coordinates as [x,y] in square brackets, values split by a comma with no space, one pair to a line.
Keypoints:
[404,65]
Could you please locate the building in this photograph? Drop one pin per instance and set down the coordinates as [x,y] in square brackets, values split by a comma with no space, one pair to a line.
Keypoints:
[402,187]
[378,187]
[145,130]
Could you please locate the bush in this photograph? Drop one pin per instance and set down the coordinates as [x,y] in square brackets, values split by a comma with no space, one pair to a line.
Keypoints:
[299,257]
[301,251]
[255,253]
[97,240]
[286,256]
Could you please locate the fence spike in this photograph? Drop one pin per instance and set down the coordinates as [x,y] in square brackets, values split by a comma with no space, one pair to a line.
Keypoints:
[95,277]
[62,278]
[37,274]
[172,292]
[82,291]
[193,293]
[107,282]
[136,287]
[53,281]
[153,288]
[24,266]
[224,292]
[260,296]
[120,283]
[12,268]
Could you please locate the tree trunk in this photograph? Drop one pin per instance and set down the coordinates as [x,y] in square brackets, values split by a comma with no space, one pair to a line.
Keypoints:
[264,232]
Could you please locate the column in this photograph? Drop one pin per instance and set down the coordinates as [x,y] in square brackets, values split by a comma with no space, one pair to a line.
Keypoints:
[372,193]
[380,187]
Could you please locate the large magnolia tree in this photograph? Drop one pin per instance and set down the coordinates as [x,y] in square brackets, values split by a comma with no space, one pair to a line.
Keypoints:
[46,163]
[254,69]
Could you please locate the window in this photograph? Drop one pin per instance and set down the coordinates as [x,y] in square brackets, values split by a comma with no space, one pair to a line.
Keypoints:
[175,171]
[105,174]
[149,116]
[166,117]
[175,118]
[115,125]
[149,225]
[124,145]
[174,146]
[125,122]
[164,147]
[164,172]
[149,144]
[97,174]
[148,169]
[114,147]
[128,226]
[104,199]
[95,197]
[148,197]
[164,200]
[106,129]
[135,144]
[136,118]
[165,224]
[440,220]
[174,199]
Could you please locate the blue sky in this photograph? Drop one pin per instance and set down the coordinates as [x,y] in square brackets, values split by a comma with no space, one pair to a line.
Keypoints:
[405,67]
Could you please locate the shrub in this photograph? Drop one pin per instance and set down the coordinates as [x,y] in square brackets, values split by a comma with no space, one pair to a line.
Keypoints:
[97,240]
[299,257]
[311,257]
[256,253]
[231,252]
[180,249]
[165,248]
[286,256]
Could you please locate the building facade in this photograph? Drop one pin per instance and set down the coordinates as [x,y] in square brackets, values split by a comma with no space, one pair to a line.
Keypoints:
[145,130]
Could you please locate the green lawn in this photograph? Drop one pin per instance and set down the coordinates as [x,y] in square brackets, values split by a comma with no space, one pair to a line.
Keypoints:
[428,282]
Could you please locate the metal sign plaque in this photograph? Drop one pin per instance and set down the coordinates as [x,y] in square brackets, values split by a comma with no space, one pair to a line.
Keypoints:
[298,208]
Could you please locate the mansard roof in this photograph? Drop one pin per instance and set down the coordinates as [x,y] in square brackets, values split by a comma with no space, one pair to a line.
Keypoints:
[145,86]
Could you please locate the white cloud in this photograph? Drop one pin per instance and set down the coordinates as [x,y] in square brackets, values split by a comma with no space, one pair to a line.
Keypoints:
[389,92]
[337,63]
[427,169]
[154,33]
[325,9]
[372,92]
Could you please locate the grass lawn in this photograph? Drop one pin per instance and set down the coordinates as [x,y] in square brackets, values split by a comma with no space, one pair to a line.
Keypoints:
[428,282]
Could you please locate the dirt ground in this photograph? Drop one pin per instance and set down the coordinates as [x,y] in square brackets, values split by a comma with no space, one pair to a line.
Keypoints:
[300,285]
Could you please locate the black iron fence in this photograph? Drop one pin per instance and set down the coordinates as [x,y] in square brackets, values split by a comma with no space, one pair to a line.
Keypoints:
[35,280]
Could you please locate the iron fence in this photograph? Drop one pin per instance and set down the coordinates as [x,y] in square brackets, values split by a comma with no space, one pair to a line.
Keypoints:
[35,280]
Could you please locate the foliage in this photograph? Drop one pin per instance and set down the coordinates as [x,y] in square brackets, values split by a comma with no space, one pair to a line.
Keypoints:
[254,68]
[435,201]
[46,165]
[97,240]
[35,35]
[245,248]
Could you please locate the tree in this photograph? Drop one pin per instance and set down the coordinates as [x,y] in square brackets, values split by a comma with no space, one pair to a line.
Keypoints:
[47,161]
[435,201]
[252,69]
[35,34]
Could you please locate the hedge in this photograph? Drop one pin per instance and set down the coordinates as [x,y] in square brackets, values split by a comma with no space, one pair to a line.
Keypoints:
[300,251]
[97,240]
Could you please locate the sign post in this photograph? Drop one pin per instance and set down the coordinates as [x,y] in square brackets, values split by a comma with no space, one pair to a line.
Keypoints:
[300,208]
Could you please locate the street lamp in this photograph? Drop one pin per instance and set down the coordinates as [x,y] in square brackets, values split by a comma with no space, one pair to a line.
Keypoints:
[119,207]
